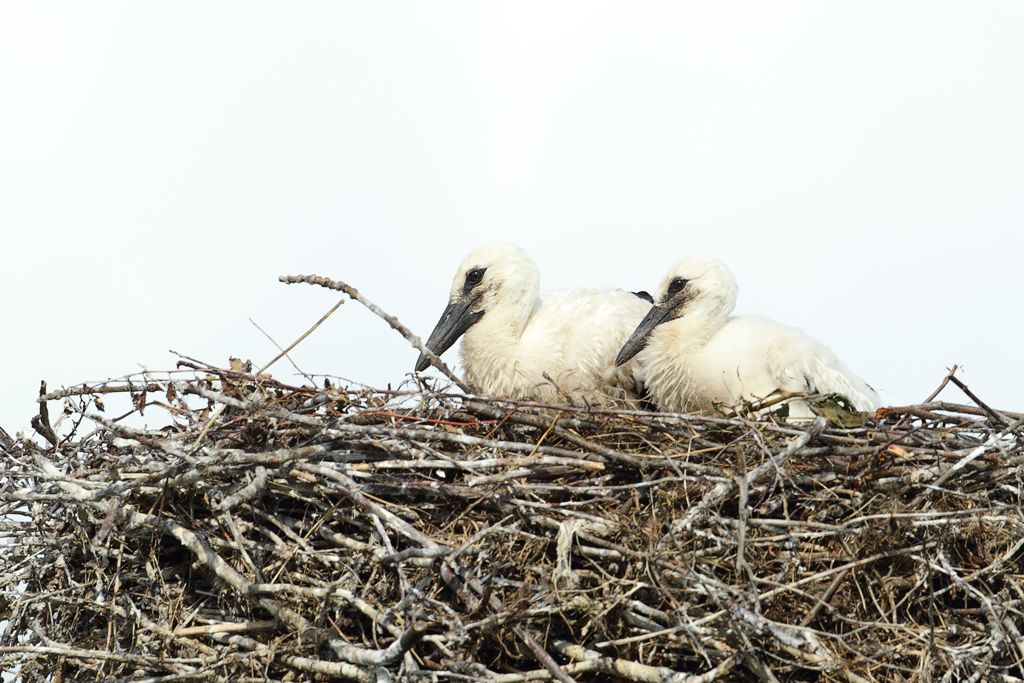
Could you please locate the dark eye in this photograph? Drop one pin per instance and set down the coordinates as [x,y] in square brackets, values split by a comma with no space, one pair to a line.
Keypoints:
[676,286]
[474,276]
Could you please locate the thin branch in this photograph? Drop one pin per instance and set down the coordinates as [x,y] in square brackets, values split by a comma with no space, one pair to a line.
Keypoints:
[391,320]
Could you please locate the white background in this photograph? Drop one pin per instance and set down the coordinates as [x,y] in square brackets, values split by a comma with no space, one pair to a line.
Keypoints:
[859,165]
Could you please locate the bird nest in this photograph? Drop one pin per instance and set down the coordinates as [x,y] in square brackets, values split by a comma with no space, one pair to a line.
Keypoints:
[274,532]
[268,532]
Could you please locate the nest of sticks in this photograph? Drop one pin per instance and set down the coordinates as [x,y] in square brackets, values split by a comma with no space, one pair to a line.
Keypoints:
[270,532]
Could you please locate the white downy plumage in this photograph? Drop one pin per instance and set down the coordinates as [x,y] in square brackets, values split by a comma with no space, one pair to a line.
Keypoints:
[698,359]
[521,344]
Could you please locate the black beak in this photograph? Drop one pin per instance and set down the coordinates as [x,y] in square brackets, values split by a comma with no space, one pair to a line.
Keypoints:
[458,317]
[656,316]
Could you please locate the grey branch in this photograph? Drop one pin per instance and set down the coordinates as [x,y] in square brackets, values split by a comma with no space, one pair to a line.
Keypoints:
[391,320]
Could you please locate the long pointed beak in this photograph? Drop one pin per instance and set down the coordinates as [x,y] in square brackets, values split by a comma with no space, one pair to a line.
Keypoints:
[458,317]
[638,340]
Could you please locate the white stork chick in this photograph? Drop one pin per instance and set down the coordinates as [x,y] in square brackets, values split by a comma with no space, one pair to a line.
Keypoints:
[698,359]
[517,341]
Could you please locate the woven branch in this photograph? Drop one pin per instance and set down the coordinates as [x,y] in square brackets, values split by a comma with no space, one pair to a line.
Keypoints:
[339,534]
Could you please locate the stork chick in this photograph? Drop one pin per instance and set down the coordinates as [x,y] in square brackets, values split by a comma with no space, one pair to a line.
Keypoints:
[518,343]
[698,359]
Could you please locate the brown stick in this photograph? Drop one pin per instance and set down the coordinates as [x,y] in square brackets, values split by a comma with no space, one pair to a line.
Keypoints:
[41,422]
[995,415]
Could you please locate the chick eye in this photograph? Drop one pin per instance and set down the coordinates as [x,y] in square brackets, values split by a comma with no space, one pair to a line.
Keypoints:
[676,286]
[474,276]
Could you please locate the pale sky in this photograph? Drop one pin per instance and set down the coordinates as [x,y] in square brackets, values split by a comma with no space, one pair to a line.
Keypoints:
[860,166]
